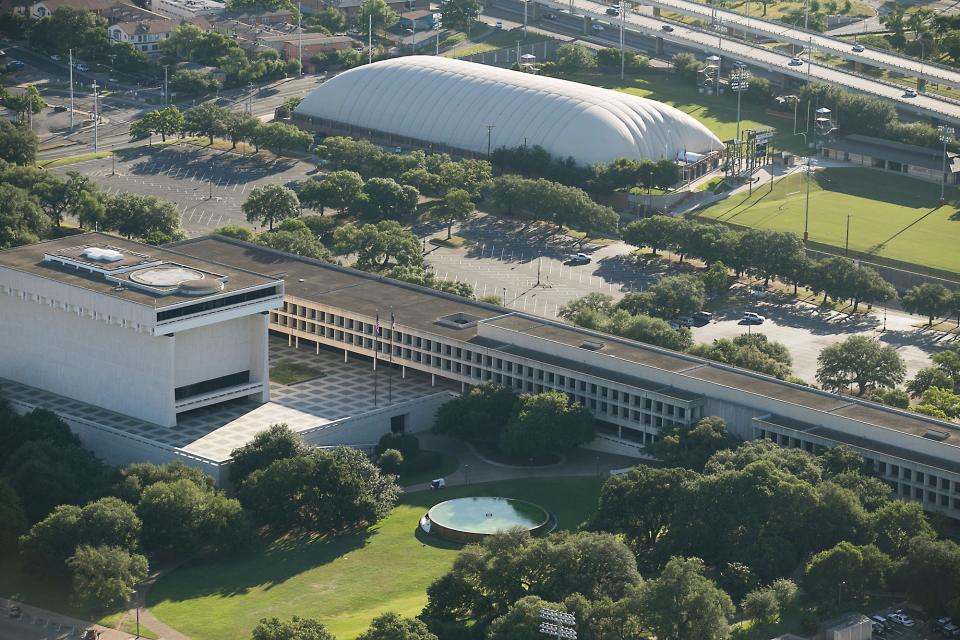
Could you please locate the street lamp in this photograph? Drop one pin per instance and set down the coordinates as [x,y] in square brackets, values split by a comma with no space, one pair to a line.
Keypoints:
[946,135]
[558,624]
[806,215]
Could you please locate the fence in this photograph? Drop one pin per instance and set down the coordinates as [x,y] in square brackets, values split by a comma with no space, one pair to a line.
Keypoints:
[509,56]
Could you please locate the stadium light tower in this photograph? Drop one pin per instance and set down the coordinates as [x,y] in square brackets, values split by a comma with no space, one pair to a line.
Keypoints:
[946,135]
[558,624]
[739,82]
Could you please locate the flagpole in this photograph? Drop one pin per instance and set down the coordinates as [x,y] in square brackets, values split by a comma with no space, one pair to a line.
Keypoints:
[393,327]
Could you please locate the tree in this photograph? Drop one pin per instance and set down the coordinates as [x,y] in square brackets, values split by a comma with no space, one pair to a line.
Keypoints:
[383,198]
[275,443]
[239,127]
[456,206]
[137,216]
[478,416]
[762,605]
[939,403]
[376,245]
[167,122]
[895,524]
[293,629]
[931,300]
[715,278]
[271,203]
[390,626]
[929,377]
[930,572]
[748,351]
[655,232]
[647,329]
[190,82]
[205,119]
[21,219]
[685,65]
[948,361]
[690,447]
[639,504]
[859,360]
[376,13]
[301,242]
[855,568]
[280,136]
[768,252]
[338,190]
[104,576]
[673,296]
[574,57]
[235,231]
[323,490]
[13,517]
[137,477]
[460,14]
[545,423]
[683,604]
[18,143]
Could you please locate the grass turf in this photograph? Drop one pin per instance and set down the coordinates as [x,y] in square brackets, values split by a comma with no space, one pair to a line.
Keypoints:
[345,581]
[292,372]
[892,216]
[717,113]
[447,466]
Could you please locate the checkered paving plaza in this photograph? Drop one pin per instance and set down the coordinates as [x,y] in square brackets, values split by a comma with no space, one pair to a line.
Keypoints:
[344,389]
[188,176]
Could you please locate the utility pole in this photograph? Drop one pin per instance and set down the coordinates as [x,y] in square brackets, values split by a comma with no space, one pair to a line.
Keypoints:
[525,3]
[71,89]
[96,117]
[806,215]
[846,242]
[370,39]
[490,128]
[300,35]
[946,136]
[438,42]
[623,8]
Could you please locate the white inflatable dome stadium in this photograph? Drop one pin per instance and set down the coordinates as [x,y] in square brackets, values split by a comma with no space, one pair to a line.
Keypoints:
[450,102]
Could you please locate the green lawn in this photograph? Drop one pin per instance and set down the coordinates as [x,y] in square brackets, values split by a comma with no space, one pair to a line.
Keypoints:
[345,581]
[448,464]
[892,216]
[292,372]
[717,113]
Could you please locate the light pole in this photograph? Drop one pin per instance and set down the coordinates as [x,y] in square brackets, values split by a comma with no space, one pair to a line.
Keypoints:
[740,82]
[166,87]
[71,89]
[96,117]
[806,215]
[490,128]
[846,242]
[300,35]
[946,136]
[558,624]
[623,10]
[525,3]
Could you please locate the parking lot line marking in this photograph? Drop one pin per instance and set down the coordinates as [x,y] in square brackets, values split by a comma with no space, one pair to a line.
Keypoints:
[219,220]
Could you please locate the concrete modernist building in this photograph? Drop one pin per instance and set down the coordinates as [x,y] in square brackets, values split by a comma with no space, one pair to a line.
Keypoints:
[633,389]
[145,333]
[443,103]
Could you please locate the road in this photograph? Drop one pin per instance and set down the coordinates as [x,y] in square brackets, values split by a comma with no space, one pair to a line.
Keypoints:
[713,43]
[803,38]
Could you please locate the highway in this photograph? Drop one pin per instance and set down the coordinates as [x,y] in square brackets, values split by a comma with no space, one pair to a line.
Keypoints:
[759,58]
[834,46]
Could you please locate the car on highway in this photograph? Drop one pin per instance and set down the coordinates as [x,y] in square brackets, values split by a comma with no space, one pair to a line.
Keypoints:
[667,28]
[901,618]
[408,31]
[858,48]
[749,317]
[597,27]
[550,16]
[499,25]
[910,93]
[611,11]
[795,62]
[56,57]
[80,66]
[578,258]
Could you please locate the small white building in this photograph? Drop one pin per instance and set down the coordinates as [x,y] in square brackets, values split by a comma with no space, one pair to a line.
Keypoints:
[145,35]
[187,9]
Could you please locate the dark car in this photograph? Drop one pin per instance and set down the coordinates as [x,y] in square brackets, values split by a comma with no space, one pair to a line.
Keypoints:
[701,318]
[612,11]
[550,16]
[15,611]
[666,28]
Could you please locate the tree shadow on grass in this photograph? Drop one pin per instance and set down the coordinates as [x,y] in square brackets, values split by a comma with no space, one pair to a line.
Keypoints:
[263,568]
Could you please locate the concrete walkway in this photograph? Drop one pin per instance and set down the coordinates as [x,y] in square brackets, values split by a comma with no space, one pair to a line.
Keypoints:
[474,468]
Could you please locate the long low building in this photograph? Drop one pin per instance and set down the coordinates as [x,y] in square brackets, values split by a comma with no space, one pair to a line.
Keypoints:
[73,329]
[453,105]
[633,389]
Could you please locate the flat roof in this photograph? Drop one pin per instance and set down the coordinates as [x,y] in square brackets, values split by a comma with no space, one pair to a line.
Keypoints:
[896,151]
[30,259]
[419,307]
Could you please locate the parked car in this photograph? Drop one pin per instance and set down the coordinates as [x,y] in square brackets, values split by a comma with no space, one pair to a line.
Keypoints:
[910,93]
[758,292]
[749,317]
[667,28]
[499,25]
[15,64]
[878,629]
[901,618]
[578,258]
[795,62]
[702,317]
[858,48]
[597,27]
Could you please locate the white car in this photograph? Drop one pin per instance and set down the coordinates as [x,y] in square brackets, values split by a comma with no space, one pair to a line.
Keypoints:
[597,27]
[56,57]
[858,48]
[578,258]
[910,93]
[795,62]
[901,618]
[79,66]
[749,317]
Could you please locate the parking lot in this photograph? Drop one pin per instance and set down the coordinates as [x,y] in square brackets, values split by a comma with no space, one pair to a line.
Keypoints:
[208,186]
